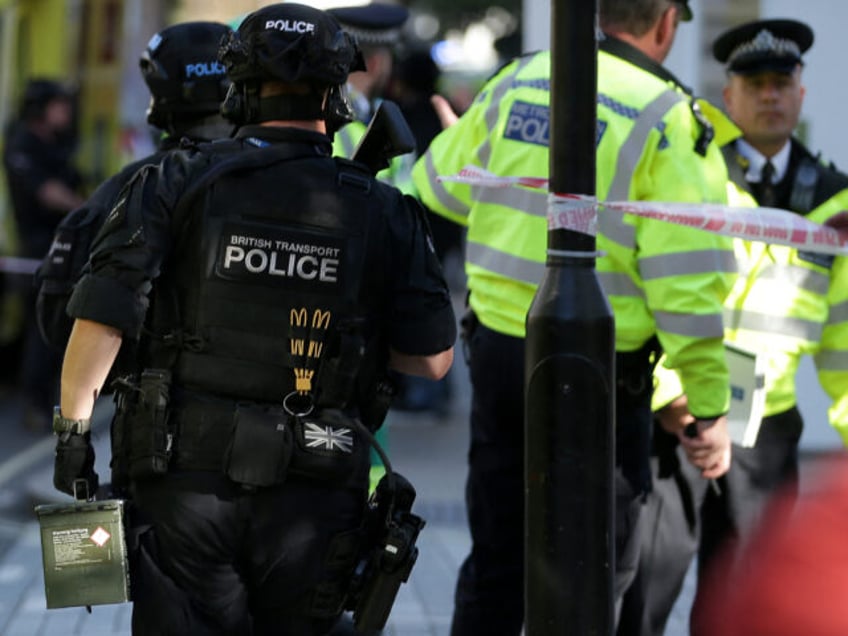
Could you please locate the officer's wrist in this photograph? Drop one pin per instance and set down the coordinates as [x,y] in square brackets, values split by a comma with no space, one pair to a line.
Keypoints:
[63,424]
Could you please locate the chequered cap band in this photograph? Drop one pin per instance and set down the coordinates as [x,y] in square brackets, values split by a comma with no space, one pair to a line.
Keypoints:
[766,42]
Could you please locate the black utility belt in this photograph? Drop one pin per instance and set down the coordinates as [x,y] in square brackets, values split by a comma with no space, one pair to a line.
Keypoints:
[259,445]
[256,445]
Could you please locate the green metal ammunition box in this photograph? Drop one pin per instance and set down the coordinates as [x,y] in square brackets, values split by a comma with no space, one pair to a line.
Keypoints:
[84,553]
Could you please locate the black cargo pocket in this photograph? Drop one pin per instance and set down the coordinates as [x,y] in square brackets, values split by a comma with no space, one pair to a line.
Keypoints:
[261,447]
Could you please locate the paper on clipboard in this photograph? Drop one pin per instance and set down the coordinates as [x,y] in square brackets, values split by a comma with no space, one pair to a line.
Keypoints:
[747,395]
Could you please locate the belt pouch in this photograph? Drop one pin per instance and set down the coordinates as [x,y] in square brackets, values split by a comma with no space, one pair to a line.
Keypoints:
[327,448]
[120,447]
[147,426]
[261,446]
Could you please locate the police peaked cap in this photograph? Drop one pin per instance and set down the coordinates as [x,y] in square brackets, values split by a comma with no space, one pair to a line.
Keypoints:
[181,68]
[374,24]
[765,45]
[291,43]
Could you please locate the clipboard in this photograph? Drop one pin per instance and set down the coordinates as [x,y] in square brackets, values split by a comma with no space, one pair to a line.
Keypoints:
[747,394]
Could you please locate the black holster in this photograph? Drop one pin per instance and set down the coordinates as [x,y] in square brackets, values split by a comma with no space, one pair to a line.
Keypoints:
[389,554]
[467,326]
[634,424]
[141,436]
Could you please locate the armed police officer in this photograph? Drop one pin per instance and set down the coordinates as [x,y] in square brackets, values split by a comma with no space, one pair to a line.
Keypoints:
[272,286]
[187,84]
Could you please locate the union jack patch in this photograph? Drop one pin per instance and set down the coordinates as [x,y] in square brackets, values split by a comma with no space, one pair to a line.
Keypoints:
[328,438]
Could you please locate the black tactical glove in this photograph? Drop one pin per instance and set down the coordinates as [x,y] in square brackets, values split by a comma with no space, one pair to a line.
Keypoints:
[75,460]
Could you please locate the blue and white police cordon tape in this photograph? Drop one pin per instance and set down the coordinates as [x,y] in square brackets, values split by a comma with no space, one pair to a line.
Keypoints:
[578,213]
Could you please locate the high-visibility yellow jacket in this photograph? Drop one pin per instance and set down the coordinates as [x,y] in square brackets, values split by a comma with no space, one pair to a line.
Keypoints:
[660,278]
[789,303]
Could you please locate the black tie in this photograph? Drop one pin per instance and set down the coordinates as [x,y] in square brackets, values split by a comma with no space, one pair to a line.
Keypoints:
[768,197]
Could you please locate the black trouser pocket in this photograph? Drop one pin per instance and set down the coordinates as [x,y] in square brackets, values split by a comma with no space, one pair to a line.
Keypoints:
[261,446]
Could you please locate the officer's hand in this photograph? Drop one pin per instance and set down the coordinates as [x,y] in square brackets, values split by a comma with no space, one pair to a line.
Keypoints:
[674,417]
[707,446]
[444,110]
[74,460]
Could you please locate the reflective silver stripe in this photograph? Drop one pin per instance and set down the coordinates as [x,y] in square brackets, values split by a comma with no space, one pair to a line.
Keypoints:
[611,224]
[692,325]
[533,202]
[484,154]
[618,284]
[445,198]
[797,276]
[832,361]
[764,323]
[507,265]
[838,313]
[633,147]
[681,263]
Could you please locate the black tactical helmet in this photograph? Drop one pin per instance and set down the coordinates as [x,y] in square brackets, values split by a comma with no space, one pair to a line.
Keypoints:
[181,68]
[291,43]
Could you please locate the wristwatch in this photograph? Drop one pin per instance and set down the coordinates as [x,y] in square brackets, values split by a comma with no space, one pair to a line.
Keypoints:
[63,424]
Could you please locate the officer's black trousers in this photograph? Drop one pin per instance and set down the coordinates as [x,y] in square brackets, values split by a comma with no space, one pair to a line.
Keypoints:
[490,589]
[684,517]
[221,560]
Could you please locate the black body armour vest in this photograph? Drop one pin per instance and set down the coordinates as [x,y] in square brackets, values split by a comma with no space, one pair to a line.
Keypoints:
[276,284]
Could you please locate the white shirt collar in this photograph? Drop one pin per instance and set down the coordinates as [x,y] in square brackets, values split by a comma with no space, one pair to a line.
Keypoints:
[756,161]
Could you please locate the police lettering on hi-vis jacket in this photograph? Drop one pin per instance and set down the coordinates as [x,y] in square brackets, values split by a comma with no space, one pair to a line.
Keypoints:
[786,304]
[270,287]
[666,284]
